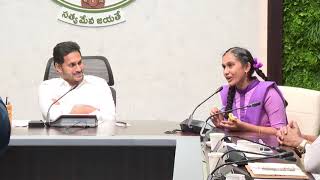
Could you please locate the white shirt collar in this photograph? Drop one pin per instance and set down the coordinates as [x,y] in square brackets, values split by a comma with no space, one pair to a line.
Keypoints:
[66,84]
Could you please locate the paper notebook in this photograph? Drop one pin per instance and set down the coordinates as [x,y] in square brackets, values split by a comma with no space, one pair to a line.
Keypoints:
[276,171]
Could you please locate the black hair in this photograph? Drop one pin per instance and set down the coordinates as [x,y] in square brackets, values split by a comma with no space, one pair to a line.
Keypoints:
[62,49]
[245,57]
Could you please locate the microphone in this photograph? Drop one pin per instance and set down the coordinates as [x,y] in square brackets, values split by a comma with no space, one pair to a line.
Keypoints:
[47,122]
[242,151]
[254,104]
[282,155]
[191,125]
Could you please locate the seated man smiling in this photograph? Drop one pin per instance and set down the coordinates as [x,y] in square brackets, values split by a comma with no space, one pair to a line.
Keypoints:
[86,94]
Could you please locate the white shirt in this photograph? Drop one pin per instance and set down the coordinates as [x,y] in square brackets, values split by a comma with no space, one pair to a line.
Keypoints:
[93,91]
[311,157]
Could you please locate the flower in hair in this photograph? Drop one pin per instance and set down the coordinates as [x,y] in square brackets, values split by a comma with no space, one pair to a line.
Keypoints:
[256,63]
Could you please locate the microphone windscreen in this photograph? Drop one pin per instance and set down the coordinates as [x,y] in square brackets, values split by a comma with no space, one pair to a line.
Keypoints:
[219,89]
[286,155]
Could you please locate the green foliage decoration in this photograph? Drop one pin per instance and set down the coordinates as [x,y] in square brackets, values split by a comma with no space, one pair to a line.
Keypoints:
[301,41]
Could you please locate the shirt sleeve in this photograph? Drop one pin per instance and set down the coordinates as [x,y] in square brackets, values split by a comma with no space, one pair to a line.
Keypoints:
[311,162]
[275,109]
[46,97]
[106,109]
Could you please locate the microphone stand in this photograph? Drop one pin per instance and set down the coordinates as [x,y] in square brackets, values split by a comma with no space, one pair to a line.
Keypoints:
[191,115]
[194,126]
[47,123]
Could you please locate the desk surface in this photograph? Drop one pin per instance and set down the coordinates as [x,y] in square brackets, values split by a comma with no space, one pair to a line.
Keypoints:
[140,133]
[188,158]
[135,128]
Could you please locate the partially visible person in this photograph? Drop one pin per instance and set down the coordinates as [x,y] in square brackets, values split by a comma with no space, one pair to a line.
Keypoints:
[90,94]
[5,128]
[304,144]
[243,88]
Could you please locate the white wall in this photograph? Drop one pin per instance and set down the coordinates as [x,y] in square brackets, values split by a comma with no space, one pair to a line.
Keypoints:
[166,57]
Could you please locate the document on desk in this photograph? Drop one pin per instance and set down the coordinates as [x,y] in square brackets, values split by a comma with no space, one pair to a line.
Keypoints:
[316,176]
[275,170]
[20,123]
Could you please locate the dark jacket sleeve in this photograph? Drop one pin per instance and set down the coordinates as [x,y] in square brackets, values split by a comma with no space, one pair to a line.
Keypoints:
[5,128]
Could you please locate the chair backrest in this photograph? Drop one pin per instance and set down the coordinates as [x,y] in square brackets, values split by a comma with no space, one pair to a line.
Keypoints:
[94,65]
[303,107]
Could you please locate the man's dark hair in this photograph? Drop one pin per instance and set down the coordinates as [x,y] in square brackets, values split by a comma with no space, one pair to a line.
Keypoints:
[62,49]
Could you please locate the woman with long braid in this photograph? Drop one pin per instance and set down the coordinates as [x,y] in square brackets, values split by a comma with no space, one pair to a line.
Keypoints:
[243,88]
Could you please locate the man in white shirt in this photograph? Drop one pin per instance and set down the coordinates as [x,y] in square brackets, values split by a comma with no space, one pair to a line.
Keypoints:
[87,94]
[304,144]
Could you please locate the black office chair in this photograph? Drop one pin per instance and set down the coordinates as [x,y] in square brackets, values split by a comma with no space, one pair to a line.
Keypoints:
[94,65]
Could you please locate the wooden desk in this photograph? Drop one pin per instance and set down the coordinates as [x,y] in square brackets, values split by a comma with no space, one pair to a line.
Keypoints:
[139,147]
[141,151]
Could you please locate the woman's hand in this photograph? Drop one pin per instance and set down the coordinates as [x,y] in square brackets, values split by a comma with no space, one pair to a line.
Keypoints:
[216,118]
[234,125]
[281,133]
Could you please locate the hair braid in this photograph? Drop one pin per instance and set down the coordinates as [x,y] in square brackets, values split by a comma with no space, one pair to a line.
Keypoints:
[261,74]
[264,77]
[230,98]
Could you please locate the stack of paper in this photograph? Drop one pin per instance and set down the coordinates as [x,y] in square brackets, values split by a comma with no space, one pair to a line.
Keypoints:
[276,170]
[316,176]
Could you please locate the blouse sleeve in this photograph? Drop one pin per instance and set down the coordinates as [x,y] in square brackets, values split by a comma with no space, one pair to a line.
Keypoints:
[275,109]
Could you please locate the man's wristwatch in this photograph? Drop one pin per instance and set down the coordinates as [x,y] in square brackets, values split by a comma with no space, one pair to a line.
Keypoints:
[302,147]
